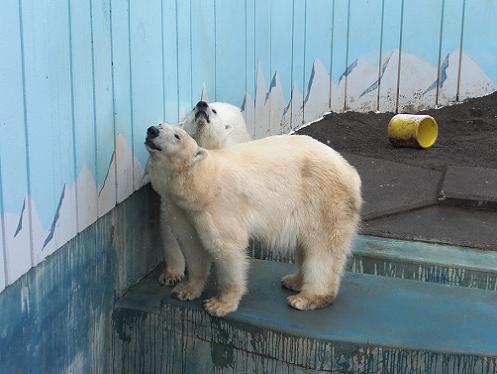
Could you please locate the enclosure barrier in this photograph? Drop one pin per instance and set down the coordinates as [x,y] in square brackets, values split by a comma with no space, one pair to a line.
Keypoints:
[81,81]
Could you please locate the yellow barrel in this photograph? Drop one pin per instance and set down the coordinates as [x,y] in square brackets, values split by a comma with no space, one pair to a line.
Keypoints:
[412,130]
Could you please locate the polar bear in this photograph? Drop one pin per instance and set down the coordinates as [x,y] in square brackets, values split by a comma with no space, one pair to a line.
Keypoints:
[215,125]
[287,191]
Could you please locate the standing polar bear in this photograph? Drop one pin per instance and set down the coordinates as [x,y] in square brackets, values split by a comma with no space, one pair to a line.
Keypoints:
[218,125]
[286,191]
[215,125]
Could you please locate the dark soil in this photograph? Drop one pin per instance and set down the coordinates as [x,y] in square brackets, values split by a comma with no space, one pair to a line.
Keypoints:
[467,135]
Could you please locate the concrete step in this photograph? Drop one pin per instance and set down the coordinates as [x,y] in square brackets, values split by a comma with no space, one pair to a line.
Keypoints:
[427,262]
[469,187]
[376,325]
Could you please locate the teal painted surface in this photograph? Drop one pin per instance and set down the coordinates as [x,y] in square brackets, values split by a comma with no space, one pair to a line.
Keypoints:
[78,93]
[376,325]
[56,318]
[434,263]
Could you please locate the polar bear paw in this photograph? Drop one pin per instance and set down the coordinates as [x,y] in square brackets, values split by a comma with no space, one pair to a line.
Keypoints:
[292,282]
[219,307]
[309,301]
[187,291]
[170,278]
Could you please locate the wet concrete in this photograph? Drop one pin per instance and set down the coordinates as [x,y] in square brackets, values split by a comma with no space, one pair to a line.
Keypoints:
[376,322]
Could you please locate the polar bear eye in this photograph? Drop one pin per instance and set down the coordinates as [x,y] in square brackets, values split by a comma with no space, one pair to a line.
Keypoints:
[214,111]
[177,136]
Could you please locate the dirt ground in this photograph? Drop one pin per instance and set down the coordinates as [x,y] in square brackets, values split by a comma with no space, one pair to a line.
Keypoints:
[467,135]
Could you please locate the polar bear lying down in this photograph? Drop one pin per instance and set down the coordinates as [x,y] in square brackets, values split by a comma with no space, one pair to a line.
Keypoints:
[214,125]
[285,191]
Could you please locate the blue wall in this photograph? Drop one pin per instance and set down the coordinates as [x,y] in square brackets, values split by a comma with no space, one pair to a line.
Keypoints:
[80,81]
[57,317]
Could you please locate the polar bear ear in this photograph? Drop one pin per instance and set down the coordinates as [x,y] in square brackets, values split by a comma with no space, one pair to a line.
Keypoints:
[199,155]
[228,128]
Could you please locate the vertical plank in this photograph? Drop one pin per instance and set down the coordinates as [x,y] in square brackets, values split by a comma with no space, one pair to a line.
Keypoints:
[339,57]
[419,54]
[449,51]
[281,67]
[3,259]
[146,60]
[13,156]
[248,105]
[103,101]
[262,48]
[479,58]
[230,46]
[204,49]
[364,44]
[317,59]
[170,60]
[49,124]
[298,61]
[387,82]
[183,36]
[83,121]
[123,102]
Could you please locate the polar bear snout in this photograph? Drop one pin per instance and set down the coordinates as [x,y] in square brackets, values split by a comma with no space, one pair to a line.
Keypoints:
[152,132]
[202,105]
[202,113]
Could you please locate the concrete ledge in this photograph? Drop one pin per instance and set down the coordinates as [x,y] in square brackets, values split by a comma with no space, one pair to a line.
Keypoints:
[376,325]
[469,187]
[436,263]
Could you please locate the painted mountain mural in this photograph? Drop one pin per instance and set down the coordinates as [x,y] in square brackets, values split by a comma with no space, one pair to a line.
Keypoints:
[26,242]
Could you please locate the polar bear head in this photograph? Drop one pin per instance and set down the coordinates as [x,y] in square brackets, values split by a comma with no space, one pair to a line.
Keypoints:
[173,146]
[211,125]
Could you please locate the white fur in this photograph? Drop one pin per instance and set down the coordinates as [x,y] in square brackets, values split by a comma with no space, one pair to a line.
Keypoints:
[226,127]
[286,191]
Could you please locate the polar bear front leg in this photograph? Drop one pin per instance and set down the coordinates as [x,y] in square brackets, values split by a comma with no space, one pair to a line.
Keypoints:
[226,246]
[199,263]
[174,269]
[231,270]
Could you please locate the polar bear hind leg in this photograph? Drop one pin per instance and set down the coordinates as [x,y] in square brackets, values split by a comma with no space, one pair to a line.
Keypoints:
[323,264]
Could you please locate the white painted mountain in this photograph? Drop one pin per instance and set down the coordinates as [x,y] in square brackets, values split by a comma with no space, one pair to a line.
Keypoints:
[294,114]
[25,235]
[416,75]
[124,169]
[17,243]
[261,117]
[275,101]
[107,192]
[360,76]
[86,188]
[264,115]
[141,178]
[317,100]
[64,225]
[128,166]
[131,177]
[474,82]
[248,109]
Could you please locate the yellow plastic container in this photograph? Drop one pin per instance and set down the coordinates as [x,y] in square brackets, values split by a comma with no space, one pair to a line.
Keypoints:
[412,130]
